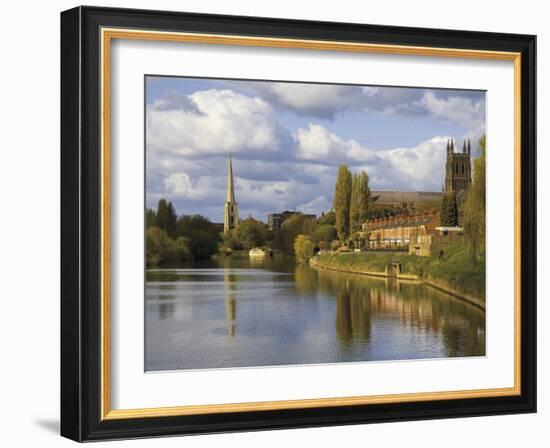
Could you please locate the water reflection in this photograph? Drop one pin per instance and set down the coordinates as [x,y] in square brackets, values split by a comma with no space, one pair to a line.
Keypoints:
[166,311]
[236,312]
[230,303]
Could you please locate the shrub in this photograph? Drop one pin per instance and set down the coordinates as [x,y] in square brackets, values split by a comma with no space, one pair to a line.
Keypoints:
[160,248]
[303,248]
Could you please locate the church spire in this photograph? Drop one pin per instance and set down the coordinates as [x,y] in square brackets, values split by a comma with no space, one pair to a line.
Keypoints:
[231,211]
[230,187]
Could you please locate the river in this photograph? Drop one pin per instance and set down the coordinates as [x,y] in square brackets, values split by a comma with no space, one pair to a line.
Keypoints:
[240,312]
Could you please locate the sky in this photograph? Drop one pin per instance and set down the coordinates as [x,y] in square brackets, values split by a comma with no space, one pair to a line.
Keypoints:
[287,140]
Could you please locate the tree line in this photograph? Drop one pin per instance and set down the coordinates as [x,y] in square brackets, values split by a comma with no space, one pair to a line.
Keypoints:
[170,238]
[189,237]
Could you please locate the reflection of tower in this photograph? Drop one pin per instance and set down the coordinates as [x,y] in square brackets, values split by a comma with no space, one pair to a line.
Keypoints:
[231,211]
[230,302]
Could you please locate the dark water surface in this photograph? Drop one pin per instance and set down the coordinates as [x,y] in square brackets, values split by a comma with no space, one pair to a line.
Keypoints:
[237,312]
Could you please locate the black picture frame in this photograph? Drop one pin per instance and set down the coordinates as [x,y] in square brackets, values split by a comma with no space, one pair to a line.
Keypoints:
[81,224]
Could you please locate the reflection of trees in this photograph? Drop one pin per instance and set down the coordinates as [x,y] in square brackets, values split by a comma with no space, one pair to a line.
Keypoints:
[462,337]
[360,299]
[229,282]
[343,316]
[352,315]
[166,311]
[307,279]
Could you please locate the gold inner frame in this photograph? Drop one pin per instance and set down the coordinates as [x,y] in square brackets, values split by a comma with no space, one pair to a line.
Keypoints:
[107,35]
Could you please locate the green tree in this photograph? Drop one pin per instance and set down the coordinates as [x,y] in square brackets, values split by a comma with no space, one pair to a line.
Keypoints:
[474,207]
[295,225]
[329,218]
[359,201]
[166,217]
[342,198]
[303,248]
[326,233]
[160,248]
[449,210]
[250,233]
[149,218]
[443,210]
[201,233]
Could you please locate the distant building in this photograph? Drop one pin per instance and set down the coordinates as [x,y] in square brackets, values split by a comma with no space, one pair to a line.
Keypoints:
[458,169]
[231,210]
[276,220]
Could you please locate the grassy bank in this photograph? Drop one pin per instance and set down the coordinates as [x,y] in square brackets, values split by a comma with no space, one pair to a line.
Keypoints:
[454,270]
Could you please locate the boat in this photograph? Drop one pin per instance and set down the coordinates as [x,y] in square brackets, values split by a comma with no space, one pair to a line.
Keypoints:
[259,252]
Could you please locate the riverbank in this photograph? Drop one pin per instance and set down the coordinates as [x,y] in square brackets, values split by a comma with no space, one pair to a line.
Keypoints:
[453,273]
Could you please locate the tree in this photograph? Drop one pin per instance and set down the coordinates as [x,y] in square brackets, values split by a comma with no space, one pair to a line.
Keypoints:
[359,201]
[295,225]
[474,207]
[149,218]
[166,217]
[303,248]
[449,210]
[202,234]
[443,210]
[250,233]
[342,198]
[328,218]
[160,248]
[325,233]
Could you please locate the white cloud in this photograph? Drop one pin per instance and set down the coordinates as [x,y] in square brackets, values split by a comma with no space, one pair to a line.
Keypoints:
[463,111]
[317,143]
[466,109]
[316,99]
[219,121]
[199,185]
[189,136]
[421,167]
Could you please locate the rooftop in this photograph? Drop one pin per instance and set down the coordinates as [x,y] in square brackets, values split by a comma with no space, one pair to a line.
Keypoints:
[395,197]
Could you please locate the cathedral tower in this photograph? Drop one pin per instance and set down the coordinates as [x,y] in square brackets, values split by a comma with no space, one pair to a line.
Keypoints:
[231,211]
[458,169]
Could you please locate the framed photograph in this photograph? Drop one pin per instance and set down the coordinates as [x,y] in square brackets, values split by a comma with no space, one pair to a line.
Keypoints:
[272,223]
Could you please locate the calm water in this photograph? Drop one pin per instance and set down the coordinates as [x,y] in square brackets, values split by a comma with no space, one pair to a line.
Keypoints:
[236,312]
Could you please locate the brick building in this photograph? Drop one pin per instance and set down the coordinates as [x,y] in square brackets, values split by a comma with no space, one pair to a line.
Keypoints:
[400,231]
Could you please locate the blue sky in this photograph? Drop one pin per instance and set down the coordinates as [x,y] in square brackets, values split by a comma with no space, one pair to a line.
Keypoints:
[287,140]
